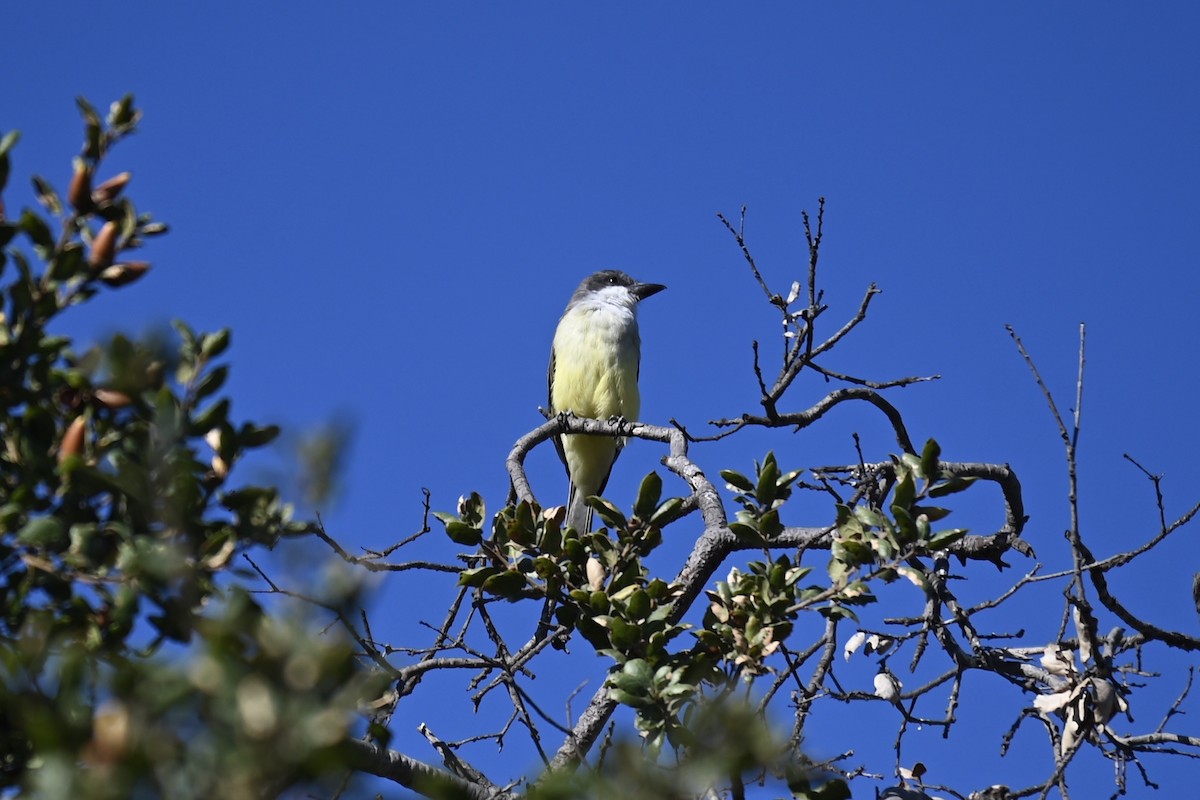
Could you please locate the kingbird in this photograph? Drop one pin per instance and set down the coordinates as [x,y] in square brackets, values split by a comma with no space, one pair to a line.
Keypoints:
[594,366]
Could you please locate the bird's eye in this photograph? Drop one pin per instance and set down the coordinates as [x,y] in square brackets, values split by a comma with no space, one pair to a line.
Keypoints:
[612,280]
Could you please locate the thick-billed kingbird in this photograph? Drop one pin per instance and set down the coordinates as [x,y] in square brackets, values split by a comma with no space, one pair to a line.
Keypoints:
[594,366]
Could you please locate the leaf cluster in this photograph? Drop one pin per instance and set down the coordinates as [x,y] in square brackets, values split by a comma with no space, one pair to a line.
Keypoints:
[887,538]
[119,525]
[757,521]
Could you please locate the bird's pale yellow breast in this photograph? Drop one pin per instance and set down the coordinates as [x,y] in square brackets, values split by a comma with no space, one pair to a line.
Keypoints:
[596,364]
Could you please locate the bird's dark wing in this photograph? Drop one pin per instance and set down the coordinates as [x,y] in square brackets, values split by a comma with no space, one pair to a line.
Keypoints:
[550,406]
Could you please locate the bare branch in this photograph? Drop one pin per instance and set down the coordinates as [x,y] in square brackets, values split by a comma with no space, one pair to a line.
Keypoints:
[802,419]
[419,776]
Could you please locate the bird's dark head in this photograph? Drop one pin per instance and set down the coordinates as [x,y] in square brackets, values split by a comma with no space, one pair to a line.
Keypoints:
[615,282]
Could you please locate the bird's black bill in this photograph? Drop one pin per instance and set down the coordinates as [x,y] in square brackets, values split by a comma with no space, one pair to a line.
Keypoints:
[643,290]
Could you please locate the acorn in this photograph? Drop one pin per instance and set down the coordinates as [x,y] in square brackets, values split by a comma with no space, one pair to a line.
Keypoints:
[110,398]
[104,246]
[72,440]
[111,189]
[220,466]
[595,574]
[122,274]
[79,195]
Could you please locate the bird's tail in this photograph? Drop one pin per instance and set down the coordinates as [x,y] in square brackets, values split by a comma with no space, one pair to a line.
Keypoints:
[579,513]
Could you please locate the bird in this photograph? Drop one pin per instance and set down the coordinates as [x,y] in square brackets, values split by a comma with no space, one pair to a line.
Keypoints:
[595,362]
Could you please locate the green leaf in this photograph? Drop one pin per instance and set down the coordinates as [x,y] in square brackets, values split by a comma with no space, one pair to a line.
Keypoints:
[639,605]
[746,533]
[666,513]
[91,144]
[916,577]
[520,527]
[648,496]
[9,514]
[738,481]
[123,114]
[551,541]
[835,611]
[254,436]
[658,589]
[545,567]
[574,550]
[508,584]
[922,525]
[36,229]
[869,517]
[929,458]
[905,492]
[475,577]
[624,636]
[213,344]
[884,546]
[210,417]
[8,141]
[851,552]
[932,513]
[905,529]
[599,602]
[43,532]
[462,533]
[608,512]
[769,525]
[46,195]
[851,528]
[166,413]
[786,480]
[951,484]
[67,263]
[472,508]
[187,336]
[380,733]
[857,593]
[89,479]
[88,111]
[768,482]
[943,539]
[212,382]
[627,699]
[636,675]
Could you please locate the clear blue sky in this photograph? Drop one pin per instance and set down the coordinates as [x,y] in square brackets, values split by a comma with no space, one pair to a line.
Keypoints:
[390,203]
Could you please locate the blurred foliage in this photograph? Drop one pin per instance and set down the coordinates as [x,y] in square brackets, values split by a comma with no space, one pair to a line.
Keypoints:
[125,646]
[320,455]
[730,744]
